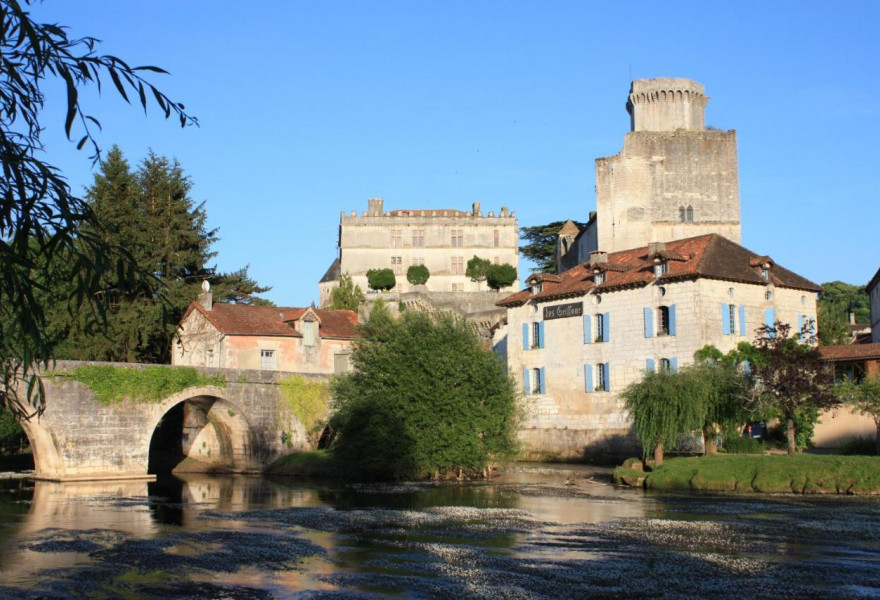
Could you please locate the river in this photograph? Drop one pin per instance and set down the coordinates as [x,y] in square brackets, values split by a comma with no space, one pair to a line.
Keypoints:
[536,531]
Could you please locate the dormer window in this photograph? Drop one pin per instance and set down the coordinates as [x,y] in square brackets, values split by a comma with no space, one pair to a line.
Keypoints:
[765,273]
[537,287]
[310,332]
[661,268]
[599,278]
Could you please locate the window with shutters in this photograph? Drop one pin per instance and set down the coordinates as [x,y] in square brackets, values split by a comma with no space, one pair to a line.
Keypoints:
[600,328]
[665,364]
[731,318]
[536,381]
[663,320]
[601,384]
[536,334]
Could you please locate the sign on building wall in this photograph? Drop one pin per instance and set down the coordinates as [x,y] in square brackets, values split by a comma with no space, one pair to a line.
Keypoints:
[562,311]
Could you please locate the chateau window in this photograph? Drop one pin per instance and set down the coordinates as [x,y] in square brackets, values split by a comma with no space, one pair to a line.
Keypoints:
[497,236]
[537,381]
[457,238]
[397,264]
[267,360]
[663,320]
[396,239]
[690,214]
[418,238]
[417,262]
[682,214]
[457,287]
[458,265]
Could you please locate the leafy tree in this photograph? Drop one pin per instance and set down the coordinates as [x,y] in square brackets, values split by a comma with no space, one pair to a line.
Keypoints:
[424,398]
[864,396]
[791,376]
[663,405]
[478,268]
[381,279]
[417,274]
[836,301]
[346,295]
[540,244]
[724,391]
[151,215]
[40,217]
[500,276]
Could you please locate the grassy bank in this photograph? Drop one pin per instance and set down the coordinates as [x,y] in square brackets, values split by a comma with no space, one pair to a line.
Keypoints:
[800,474]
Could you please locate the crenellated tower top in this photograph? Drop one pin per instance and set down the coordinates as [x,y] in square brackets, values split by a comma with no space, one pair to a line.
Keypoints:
[666,104]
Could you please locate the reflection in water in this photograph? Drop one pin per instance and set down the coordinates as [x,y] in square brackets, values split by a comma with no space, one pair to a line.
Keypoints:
[534,532]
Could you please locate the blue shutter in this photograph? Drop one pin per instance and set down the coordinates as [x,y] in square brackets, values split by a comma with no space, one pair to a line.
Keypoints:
[588,329]
[770,318]
[672,320]
[607,370]
[541,334]
[527,388]
[747,367]
[649,365]
[673,365]
[606,329]
[588,377]
[649,322]
[742,319]
[725,319]
[800,327]
[525,336]
[543,389]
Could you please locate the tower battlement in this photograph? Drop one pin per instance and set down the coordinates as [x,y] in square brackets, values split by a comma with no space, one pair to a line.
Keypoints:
[667,104]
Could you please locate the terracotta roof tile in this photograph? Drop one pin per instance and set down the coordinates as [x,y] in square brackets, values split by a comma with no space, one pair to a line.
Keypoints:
[851,352]
[711,256]
[241,319]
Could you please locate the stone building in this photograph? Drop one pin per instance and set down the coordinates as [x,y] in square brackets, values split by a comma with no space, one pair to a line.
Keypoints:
[576,339]
[874,297]
[442,240]
[673,179]
[236,336]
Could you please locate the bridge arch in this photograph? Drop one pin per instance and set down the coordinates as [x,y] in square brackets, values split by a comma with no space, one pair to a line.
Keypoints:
[44,446]
[211,430]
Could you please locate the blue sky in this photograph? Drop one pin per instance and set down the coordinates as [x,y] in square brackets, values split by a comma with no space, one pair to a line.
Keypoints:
[309,108]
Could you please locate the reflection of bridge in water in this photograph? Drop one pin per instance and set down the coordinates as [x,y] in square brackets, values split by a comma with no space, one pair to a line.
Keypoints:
[241,426]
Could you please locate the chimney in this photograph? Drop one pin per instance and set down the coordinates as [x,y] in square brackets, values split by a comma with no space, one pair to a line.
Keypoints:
[503,211]
[206,298]
[477,212]
[375,206]
[598,257]
[655,248]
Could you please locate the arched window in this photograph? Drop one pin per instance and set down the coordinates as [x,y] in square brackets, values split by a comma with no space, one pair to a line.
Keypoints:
[682,214]
[690,214]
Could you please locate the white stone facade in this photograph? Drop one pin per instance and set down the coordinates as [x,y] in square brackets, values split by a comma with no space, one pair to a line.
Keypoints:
[874,297]
[442,240]
[564,417]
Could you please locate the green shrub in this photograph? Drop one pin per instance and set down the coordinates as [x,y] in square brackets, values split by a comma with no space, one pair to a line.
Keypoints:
[500,276]
[381,279]
[309,401]
[866,446]
[112,385]
[741,445]
[418,274]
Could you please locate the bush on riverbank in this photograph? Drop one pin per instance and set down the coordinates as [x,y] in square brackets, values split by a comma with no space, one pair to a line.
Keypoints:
[801,474]
[303,464]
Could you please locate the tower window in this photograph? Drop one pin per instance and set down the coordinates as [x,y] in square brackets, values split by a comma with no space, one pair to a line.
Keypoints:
[690,214]
[682,214]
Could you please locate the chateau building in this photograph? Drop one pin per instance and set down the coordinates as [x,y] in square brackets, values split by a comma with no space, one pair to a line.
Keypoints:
[873,290]
[442,240]
[575,340]
[236,336]
[655,274]
[673,179]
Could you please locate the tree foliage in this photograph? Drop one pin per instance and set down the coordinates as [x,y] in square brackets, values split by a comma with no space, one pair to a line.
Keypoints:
[424,398]
[418,274]
[148,217]
[346,295]
[836,301]
[791,376]
[864,396]
[540,244]
[40,218]
[478,268]
[381,279]
[500,276]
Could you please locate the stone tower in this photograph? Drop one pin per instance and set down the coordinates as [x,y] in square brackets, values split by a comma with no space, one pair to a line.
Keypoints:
[673,178]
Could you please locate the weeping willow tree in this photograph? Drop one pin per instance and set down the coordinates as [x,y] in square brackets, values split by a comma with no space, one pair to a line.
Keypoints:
[666,404]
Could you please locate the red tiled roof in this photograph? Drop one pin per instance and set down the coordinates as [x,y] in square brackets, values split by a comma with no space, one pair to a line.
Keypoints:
[851,352]
[240,319]
[710,256]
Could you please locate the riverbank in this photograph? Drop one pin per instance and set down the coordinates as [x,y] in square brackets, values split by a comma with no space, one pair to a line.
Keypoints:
[799,474]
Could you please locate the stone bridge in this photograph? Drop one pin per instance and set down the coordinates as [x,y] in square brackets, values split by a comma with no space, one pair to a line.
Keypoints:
[241,426]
